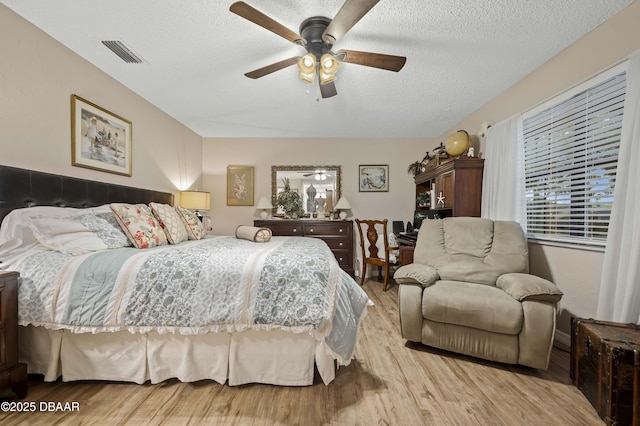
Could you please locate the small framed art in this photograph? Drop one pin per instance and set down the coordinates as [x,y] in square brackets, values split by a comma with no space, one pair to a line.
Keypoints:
[373,178]
[100,139]
[239,185]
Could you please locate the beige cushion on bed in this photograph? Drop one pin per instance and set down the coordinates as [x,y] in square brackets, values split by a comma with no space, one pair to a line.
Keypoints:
[140,225]
[195,229]
[253,233]
[171,222]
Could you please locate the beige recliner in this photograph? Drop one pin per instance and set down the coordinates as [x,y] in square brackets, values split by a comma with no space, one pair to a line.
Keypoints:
[469,291]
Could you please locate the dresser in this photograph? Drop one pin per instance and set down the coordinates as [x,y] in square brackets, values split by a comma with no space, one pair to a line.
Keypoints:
[13,374]
[338,234]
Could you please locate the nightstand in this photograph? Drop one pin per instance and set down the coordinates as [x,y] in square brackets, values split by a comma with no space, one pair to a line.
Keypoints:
[12,373]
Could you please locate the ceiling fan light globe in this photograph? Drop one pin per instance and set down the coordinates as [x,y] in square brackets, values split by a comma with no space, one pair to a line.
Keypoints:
[307,64]
[329,64]
[307,67]
[326,78]
[308,77]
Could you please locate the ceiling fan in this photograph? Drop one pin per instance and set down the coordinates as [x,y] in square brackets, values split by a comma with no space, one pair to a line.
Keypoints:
[317,35]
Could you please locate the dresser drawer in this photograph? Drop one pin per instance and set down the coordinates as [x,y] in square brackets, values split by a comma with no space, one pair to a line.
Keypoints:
[286,230]
[343,257]
[323,228]
[336,243]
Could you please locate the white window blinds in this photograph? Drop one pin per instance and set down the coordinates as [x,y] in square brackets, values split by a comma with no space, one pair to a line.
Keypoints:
[571,155]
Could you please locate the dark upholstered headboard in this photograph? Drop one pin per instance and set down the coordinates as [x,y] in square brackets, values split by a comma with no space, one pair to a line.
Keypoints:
[27,188]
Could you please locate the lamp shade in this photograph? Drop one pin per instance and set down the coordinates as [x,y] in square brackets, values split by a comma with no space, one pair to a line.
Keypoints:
[343,204]
[195,200]
[264,203]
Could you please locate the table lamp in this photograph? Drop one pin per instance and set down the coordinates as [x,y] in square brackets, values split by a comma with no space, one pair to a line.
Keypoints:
[343,204]
[196,201]
[265,205]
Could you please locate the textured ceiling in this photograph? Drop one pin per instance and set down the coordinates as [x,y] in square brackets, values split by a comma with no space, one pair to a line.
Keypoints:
[460,54]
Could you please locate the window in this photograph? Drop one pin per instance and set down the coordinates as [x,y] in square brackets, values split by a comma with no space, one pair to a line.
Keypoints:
[571,146]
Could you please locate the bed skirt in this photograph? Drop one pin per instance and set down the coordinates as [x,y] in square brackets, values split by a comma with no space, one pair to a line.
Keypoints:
[273,357]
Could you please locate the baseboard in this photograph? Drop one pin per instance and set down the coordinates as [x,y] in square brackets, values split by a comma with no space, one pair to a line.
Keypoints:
[562,340]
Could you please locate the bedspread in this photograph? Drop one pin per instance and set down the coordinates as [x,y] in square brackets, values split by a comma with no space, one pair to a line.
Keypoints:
[211,285]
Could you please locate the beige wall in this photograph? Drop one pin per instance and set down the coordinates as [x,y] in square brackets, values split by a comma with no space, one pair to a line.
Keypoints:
[396,204]
[577,272]
[38,76]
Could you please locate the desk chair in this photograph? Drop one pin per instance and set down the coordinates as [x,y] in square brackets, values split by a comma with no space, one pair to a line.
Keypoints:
[371,254]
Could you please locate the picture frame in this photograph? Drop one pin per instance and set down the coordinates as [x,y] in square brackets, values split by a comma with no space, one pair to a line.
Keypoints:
[100,139]
[240,185]
[373,178]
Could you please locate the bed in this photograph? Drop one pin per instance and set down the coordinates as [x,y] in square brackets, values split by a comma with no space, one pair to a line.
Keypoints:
[222,308]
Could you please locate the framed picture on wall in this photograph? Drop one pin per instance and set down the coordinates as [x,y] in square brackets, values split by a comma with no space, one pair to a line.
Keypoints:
[373,178]
[239,185]
[100,139]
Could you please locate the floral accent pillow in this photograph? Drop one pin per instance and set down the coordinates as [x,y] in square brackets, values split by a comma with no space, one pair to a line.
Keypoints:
[195,229]
[171,222]
[138,222]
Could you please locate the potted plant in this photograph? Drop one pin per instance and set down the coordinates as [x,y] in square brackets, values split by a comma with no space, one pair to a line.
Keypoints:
[423,199]
[290,201]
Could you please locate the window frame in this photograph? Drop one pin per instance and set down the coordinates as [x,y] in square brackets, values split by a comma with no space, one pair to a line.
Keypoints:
[582,241]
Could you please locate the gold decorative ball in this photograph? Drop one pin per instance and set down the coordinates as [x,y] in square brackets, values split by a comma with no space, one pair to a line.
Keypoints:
[457,143]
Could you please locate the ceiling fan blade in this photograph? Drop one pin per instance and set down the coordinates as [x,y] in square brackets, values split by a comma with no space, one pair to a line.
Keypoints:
[249,13]
[261,72]
[375,60]
[348,15]
[328,90]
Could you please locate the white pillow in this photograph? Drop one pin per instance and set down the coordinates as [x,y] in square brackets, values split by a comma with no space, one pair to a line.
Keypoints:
[66,236]
[15,225]
[17,237]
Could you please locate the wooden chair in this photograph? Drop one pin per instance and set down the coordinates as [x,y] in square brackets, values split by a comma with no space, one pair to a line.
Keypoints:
[370,254]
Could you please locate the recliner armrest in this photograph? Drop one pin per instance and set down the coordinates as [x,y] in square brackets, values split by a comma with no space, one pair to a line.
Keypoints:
[529,287]
[416,273]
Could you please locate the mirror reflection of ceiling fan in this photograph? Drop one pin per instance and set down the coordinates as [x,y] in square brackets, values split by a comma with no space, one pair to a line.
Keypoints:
[317,35]
[318,174]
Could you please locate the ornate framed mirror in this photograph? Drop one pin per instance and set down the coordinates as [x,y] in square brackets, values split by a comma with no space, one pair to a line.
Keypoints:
[320,187]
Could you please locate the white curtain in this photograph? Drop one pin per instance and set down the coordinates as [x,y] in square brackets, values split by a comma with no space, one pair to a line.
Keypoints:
[503,181]
[620,284]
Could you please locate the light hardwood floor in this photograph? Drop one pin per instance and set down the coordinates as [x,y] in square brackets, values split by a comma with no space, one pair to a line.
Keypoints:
[389,382]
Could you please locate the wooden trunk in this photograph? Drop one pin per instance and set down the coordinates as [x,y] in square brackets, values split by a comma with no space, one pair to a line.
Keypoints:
[605,366]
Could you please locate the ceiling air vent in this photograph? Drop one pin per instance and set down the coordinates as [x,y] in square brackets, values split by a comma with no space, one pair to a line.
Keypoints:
[122,51]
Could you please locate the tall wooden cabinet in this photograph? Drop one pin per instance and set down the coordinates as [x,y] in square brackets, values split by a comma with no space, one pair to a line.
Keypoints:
[457,186]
